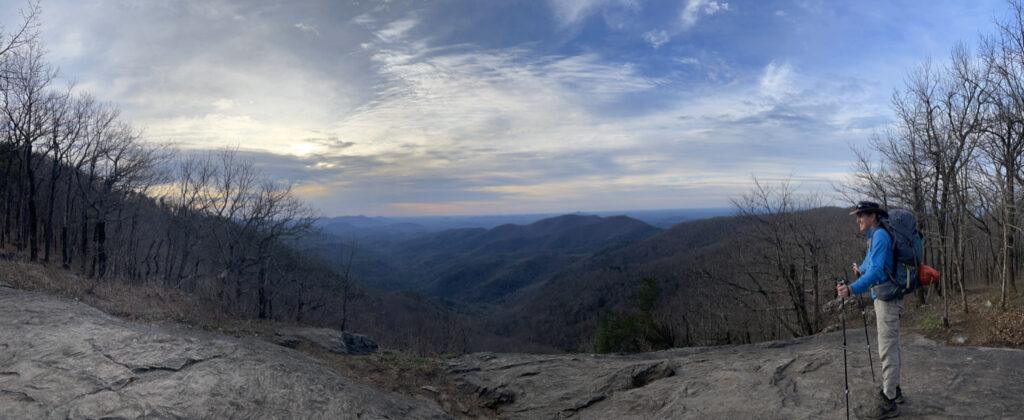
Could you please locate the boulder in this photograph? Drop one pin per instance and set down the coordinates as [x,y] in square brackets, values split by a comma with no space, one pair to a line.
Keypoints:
[341,342]
[63,359]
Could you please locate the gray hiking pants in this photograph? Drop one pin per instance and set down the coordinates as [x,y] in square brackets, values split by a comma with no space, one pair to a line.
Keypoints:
[887,318]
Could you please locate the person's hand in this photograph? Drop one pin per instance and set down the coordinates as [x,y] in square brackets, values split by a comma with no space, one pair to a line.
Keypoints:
[843,290]
[856,271]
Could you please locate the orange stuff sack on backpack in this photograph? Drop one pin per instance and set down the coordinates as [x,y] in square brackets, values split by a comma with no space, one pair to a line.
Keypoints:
[926,275]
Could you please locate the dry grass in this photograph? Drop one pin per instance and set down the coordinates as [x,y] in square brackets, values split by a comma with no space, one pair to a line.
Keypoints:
[141,302]
[984,324]
[405,373]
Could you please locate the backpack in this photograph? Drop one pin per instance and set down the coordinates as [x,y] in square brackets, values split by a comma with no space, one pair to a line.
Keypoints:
[907,255]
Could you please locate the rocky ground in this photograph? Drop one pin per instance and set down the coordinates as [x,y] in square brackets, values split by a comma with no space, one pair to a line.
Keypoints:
[60,358]
[63,359]
[794,379]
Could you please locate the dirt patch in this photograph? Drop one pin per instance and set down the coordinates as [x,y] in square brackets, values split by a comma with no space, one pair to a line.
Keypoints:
[407,374]
[982,324]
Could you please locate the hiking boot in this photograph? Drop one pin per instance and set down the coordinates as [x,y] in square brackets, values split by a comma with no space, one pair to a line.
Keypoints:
[883,409]
[899,396]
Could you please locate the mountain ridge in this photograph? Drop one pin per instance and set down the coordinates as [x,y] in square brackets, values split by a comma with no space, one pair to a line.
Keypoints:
[477,265]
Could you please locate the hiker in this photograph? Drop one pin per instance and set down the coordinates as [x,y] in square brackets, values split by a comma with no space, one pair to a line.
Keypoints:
[878,262]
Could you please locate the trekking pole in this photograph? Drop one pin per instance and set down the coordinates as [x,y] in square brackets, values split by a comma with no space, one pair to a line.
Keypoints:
[846,377]
[864,317]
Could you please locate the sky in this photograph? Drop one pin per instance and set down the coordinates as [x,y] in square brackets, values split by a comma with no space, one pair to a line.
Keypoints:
[448,107]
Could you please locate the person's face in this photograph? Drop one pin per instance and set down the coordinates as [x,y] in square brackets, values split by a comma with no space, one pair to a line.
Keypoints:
[865,221]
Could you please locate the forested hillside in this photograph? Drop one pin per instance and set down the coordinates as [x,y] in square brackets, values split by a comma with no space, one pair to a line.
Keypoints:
[701,280]
[477,265]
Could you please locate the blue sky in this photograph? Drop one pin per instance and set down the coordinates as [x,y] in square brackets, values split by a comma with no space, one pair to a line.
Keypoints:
[489,107]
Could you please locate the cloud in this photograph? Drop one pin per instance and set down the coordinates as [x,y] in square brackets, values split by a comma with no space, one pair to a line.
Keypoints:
[395,31]
[215,9]
[250,78]
[508,98]
[691,13]
[688,18]
[307,28]
[71,46]
[569,12]
[508,126]
[364,19]
[657,38]
[393,110]
[776,80]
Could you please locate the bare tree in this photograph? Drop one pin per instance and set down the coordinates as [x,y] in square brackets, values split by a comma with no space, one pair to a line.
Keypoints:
[64,132]
[792,252]
[24,34]
[24,95]
[1004,142]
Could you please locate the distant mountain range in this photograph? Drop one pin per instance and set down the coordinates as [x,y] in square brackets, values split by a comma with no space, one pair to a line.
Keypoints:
[549,281]
[375,227]
[688,262]
[480,265]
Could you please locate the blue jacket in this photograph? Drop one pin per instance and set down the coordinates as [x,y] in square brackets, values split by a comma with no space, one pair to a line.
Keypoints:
[877,260]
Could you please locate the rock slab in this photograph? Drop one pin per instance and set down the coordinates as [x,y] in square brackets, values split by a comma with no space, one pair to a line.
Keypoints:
[342,342]
[793,379]
[63,359]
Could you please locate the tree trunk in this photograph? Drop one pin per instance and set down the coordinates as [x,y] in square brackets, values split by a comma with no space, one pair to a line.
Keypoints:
[51,201]
[5,236]
[101,242]
[1008,251]
[84,251]
[263,299]
[1011,219]
[31,221]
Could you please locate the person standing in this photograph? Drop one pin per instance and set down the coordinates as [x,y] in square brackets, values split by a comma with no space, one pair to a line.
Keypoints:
[875,269]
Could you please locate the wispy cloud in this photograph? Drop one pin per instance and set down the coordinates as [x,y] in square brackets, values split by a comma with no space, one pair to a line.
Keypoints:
[776,82]
[396,30]
[657,37]
[363,19]
[508,99]
[568,12]
[688,18]
[695,8]
[307,28]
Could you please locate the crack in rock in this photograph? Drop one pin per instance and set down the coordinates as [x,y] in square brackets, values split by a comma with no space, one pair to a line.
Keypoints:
[650,373]
[496,396]
[780,372]
[813,366]
[578,407]
[188,363]
[21,396]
